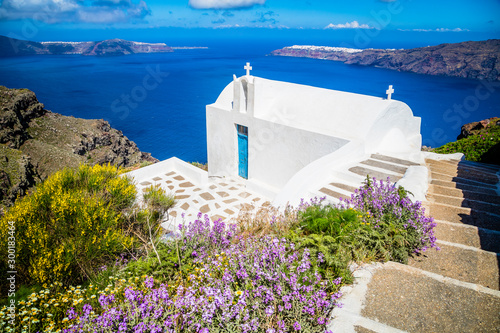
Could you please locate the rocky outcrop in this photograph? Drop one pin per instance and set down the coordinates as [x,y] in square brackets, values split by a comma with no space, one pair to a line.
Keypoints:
[14,47]
[35,142]
[476,127]
[473,60]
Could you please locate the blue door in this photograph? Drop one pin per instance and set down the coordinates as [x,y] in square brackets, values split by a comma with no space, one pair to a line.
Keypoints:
[243,151]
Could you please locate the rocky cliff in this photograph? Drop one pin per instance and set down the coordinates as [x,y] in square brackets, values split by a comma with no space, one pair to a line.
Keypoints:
[473,60]
[14,47]
[35,142]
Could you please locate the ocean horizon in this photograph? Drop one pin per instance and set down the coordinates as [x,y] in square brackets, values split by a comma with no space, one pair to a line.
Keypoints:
[158,100]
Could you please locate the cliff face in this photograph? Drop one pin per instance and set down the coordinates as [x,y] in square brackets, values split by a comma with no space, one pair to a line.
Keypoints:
[14,47]
[473,60]
[35,142]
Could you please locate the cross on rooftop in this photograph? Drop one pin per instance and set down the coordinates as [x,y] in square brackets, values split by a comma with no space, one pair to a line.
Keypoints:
[389,92]
[248,68]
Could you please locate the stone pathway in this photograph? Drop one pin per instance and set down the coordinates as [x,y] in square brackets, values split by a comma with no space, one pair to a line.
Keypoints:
[222,199]
[452,290]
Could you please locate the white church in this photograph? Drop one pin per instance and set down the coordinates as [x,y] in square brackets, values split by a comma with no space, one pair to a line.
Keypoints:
[285,141]
[268,131]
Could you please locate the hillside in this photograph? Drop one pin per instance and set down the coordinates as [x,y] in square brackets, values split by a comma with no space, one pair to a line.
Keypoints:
[35,142]
[14,47]
[473,60]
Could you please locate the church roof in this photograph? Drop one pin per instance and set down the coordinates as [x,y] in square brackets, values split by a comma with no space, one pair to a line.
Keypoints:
[325,111]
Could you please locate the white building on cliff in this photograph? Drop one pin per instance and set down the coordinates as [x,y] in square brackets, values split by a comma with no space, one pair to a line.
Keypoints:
[283,136]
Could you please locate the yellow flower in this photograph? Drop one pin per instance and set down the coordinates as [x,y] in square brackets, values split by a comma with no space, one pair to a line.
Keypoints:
[239,293]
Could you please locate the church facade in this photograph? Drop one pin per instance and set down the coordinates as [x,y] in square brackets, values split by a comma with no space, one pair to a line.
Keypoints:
[267,131]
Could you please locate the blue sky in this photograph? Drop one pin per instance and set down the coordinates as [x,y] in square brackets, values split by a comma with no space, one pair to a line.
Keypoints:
[404,15]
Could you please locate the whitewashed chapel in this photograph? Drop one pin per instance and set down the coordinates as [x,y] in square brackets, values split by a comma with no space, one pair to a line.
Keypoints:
[275,133]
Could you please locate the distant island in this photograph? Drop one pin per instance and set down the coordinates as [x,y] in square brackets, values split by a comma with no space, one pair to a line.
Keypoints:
[10,47]
[473,60]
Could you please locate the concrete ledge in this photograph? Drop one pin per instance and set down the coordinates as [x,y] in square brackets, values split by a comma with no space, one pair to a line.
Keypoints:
[416,180]
[172,164]
[443,157]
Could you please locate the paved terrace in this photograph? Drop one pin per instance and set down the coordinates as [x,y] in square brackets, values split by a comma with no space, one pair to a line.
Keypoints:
[194,192]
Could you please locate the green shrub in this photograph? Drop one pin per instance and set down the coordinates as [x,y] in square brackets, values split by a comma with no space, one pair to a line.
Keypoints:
[477,147]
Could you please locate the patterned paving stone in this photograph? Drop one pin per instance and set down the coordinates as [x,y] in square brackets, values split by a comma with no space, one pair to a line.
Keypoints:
[180,197]
[170,173]
[169,182]
[232,188]
[146,183]
[179,178]
[180,191]
[185,206]
[228,211]
[230,201]
[197,190]
[157,179]
[207,196]
[186,184]
[195,201]
[217,205]
[217,217]
[244,195]
[171,187]
[212,187]
[223,184]
[205,209]
[223,194]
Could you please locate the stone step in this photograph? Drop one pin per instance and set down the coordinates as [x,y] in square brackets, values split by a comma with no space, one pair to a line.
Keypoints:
[392,160]
[464,216]
[461,263]
[466,187]
[464,194]
[380,175]
[482,166]
[462,180]
[332,193]
[460,166]
[484,177]
[484,239]
[466,203]
[345,187]
[491,167]
[417,301]
[385,166]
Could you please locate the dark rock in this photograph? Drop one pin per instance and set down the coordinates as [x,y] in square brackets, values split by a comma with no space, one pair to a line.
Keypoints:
[35,142]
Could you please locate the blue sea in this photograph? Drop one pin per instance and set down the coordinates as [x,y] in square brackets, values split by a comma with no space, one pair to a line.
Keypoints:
[158,100]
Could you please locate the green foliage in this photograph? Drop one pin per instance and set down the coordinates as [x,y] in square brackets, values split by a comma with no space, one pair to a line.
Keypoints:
[156,198]
[475,147]
[203,166]
[70,225]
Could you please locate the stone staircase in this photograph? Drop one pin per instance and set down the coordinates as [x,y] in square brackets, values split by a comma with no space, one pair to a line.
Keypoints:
[455,289]
[379,166]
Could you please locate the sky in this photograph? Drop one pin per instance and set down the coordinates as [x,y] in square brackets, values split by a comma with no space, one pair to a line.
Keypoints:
[22,18]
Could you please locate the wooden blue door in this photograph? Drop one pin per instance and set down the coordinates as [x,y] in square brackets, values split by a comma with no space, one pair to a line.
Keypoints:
[243,151]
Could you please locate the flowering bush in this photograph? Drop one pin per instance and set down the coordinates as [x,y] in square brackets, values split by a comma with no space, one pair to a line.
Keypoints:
[46,310]
[391,212]
[241,285]
[69,225]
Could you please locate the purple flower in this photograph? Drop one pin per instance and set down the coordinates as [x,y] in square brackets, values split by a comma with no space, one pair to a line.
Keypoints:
[296,326]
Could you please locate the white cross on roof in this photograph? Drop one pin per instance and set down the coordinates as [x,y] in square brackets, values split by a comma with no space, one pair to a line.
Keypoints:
[389,92]
[248,68]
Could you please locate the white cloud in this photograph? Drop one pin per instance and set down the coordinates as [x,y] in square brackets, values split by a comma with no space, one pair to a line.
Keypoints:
[349,25]
[223,4]
[55,11]
[436,30]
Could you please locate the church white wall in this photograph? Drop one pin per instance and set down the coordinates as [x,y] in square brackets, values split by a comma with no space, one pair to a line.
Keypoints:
[275,153]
